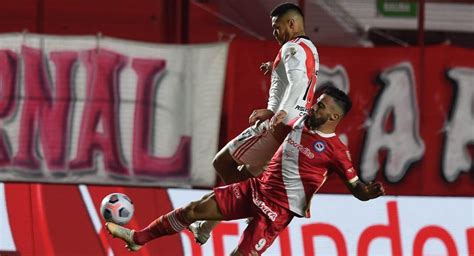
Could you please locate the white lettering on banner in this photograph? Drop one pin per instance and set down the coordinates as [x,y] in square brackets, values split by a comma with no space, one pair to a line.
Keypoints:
[404,143]
[336,77]
[403,225]
[459,132]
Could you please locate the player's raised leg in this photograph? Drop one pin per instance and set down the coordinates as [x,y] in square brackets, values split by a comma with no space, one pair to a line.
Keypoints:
[239,152]
[250,151]
[168,224]
[228,169]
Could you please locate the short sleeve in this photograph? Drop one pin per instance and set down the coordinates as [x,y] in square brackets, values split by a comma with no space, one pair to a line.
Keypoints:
[344,165]
[293,56]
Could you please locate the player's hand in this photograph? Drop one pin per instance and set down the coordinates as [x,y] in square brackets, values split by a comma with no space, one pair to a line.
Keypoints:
[260,115]
[277,118]
[374,190]
[266,67]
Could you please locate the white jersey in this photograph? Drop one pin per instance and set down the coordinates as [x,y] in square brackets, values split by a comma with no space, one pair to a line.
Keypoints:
[293,80]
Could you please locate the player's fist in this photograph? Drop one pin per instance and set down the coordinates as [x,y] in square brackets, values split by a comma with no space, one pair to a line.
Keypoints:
[375,189]
[277,118]
[266,67]
[260,115]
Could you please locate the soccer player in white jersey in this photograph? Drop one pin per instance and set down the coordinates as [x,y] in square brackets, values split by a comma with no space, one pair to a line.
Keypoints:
[293,82]
[309,153]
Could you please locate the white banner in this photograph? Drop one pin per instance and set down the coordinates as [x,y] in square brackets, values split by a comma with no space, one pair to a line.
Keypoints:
[343,225]
[85,109]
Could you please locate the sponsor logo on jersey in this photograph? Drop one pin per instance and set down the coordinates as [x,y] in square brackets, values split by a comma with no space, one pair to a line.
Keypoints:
[300,108]
[319,146]
[304,150]
[262,206]
[236,192]
[245,135]
[293,50]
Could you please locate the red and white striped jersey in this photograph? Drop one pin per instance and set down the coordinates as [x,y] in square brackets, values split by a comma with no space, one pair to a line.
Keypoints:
[293,79]
[301,165]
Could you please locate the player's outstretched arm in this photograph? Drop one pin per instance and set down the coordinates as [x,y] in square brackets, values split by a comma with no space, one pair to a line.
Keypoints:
[365,192]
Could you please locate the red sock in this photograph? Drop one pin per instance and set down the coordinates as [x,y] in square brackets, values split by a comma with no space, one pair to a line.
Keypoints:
[168,224]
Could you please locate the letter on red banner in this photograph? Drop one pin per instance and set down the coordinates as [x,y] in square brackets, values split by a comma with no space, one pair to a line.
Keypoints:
[403,143]
[456,158]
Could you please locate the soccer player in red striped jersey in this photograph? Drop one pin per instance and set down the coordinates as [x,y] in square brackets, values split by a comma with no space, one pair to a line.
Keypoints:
[309,153]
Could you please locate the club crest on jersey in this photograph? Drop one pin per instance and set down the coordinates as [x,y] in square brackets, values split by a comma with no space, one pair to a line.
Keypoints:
[293,50]
[319,146]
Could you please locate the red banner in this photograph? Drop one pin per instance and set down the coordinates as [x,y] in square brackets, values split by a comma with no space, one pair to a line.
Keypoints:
[410,127]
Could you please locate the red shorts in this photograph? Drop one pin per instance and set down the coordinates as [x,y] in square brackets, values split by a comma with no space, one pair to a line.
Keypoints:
[243,200]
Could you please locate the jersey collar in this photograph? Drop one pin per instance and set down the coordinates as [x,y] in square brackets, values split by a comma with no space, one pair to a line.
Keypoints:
[324,135]
[305,37]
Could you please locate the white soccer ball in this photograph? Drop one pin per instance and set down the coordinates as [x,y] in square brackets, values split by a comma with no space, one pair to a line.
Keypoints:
[117,208]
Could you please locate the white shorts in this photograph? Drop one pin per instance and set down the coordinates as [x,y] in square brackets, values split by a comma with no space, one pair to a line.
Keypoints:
[255,146]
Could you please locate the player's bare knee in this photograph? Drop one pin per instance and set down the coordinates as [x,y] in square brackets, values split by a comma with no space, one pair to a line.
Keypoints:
[222,161]
[216,163]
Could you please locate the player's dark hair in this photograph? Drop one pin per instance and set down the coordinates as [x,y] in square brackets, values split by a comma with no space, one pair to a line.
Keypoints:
[340,97]
[282,9]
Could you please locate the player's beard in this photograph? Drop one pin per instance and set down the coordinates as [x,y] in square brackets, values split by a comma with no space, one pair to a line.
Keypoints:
[315,122]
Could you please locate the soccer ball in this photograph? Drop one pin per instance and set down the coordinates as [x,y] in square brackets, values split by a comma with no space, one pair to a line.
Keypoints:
[117,208]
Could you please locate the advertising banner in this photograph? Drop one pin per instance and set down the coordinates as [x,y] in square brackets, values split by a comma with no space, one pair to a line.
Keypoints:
[65,220]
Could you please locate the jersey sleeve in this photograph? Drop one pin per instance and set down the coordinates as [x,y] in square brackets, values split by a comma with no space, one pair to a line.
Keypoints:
[344,165]
[276,92]
[293,57]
